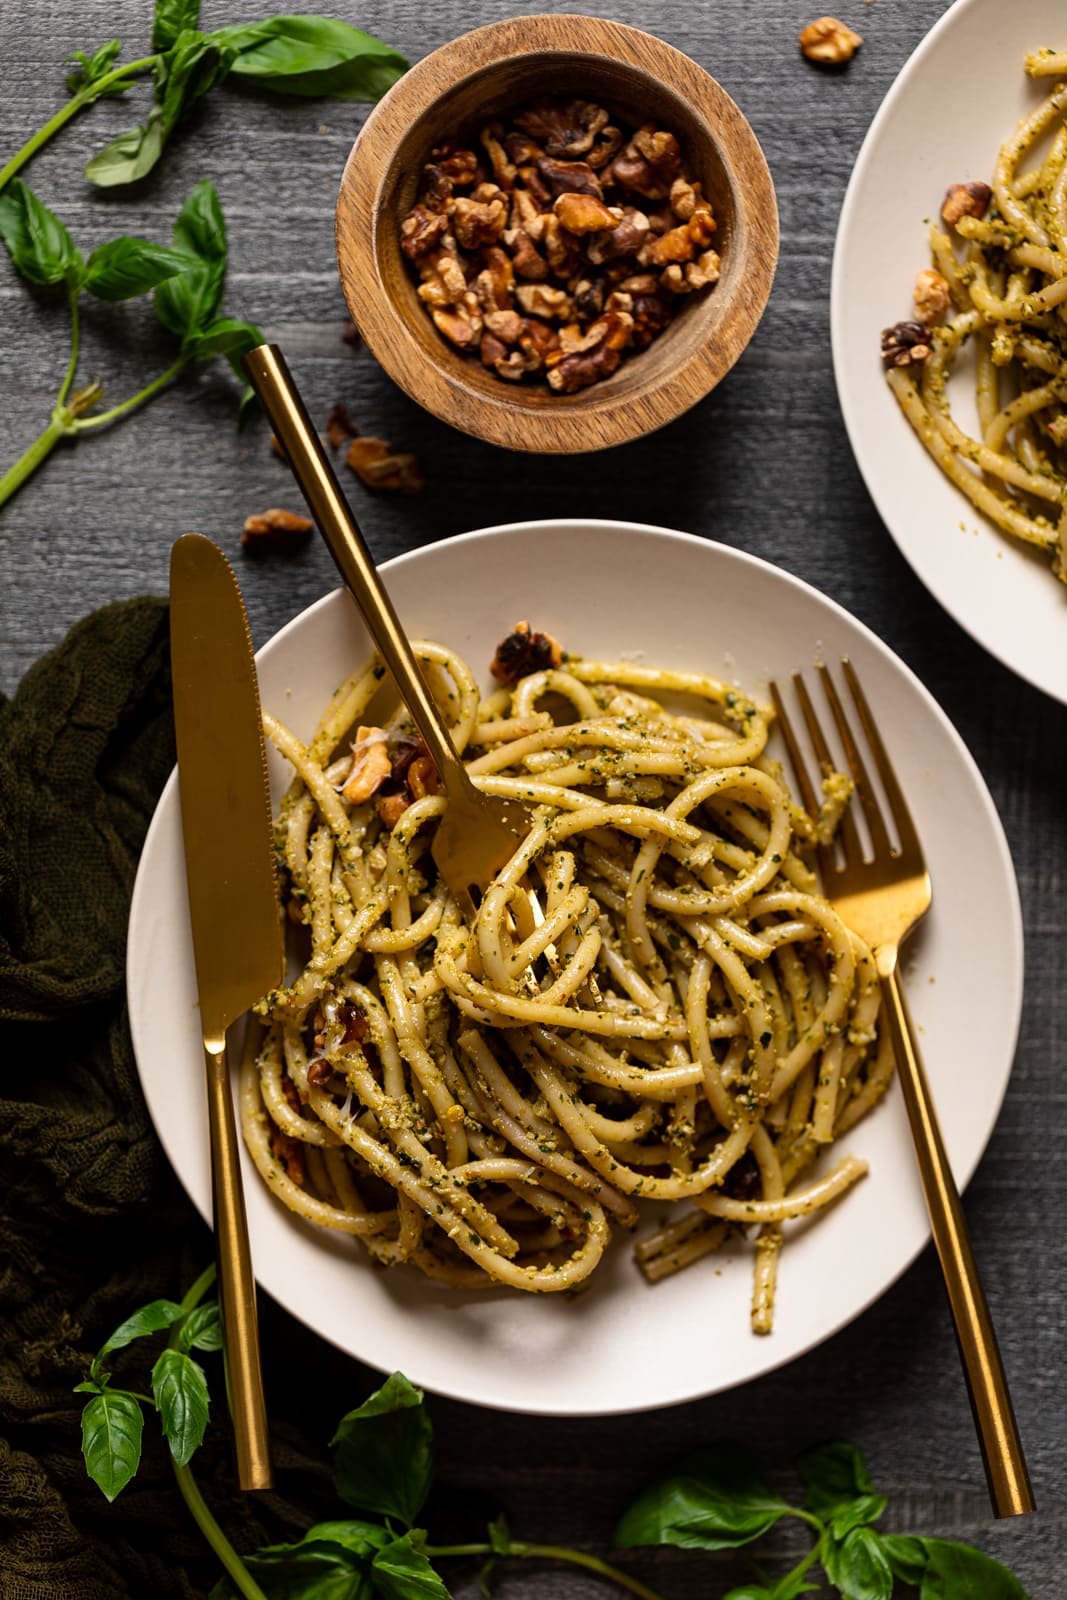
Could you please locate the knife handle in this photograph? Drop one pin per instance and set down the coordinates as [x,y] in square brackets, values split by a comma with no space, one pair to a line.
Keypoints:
[237,1286]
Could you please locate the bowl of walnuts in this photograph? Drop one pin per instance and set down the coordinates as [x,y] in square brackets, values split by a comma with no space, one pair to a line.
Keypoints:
[556,233]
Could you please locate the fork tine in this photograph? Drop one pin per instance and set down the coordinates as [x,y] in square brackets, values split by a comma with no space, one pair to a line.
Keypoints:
[909,839]
[868,799]
[807,792]
[846,829]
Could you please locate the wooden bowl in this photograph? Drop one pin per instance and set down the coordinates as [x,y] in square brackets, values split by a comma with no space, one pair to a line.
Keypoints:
[476,78]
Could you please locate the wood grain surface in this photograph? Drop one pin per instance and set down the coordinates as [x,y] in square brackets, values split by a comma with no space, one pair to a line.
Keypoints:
[762,464]
[483,75]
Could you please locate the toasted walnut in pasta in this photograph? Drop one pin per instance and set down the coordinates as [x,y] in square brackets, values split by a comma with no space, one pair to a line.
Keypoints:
[678,1017]
[559,242]
[998,279]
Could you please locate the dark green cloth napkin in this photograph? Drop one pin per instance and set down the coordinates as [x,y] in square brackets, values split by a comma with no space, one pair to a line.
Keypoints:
[92,1222]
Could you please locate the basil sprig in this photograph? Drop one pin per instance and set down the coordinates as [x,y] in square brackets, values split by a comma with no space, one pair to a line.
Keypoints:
[715,1499]
[718,1500]
[187,278]
[293,55]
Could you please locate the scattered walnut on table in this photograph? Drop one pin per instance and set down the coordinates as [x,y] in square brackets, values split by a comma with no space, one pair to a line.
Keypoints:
[275,530]
[523,236]
[829,41]
[379,466]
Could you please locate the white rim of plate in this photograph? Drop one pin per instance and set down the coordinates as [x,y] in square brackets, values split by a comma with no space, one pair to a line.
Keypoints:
[469,1392]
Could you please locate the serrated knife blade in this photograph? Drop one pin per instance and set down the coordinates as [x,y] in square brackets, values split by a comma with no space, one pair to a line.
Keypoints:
[237,940]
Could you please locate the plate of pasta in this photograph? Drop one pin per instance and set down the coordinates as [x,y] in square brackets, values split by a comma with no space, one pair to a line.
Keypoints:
[947,316]
[631,1136]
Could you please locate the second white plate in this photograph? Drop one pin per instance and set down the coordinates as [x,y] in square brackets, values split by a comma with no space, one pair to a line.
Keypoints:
[955,102]
[615,590]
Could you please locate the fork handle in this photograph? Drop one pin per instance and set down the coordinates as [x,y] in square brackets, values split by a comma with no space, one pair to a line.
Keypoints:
[270,377]
[998,1435]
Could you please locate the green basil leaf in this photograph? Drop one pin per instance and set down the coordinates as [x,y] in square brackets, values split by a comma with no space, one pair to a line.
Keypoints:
[90,69]
[226,337]
[313,1569]
[717,1499]
[39,245]
[126,267]
[383,1458]
[960,1572]
[313,56]
[186,304]
[112,1424]
[247,407]
[131,155]
[180,1391]
[858,1565]
[171,18]
[150,1319]
[838,1488]
[401,1572]
[192,66]
[202,1328]
[906,1556]
[357,1537]
[90,1386]
[791,1587]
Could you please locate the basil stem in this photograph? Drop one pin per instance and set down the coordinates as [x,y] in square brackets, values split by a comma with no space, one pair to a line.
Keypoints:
[76,103]
[187,1484]
[549,1552]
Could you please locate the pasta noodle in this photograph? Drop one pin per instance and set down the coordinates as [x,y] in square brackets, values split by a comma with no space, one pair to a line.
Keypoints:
[1005,276]
[679,1017]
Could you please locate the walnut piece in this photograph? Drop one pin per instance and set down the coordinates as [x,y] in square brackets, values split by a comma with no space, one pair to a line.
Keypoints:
[371,765]
[582,213]
[378,466]
[524,651]
[930,296]
[828,40]
[906,344]
[276,530]
[965,200]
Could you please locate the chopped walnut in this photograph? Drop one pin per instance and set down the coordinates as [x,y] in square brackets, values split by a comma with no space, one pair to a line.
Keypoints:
[422,232]
[479,222]
[533,230]
[578,371]
[931,295]
[965,200]
[564,128]
[569,177]
[523,652]
[378,466]
[422,777]
[290,1152]
[390,808]
[503,168]
[339,425]
[319,1073]
[276,530]
[583,213]
[538,300]
[371,765]
[906,344]
[829,41]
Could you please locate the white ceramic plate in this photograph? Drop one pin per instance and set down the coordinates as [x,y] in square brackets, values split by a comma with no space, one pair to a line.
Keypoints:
[611,590]
[956,100]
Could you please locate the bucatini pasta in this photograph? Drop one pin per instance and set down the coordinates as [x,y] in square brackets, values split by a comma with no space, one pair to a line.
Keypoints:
[683,1019]
[999,277]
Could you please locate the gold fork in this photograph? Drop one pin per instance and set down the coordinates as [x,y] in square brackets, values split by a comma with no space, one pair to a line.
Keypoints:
[882,900]
[478,833]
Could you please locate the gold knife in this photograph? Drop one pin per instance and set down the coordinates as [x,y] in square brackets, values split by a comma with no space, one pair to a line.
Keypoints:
[237,939]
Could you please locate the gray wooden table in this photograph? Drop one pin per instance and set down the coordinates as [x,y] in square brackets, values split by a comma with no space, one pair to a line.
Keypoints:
[762,464]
